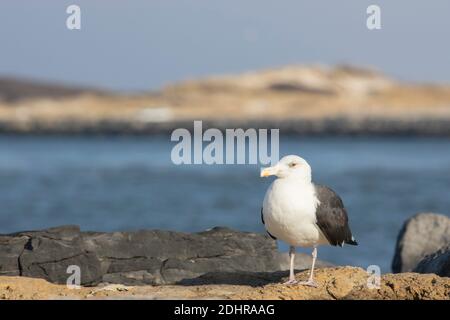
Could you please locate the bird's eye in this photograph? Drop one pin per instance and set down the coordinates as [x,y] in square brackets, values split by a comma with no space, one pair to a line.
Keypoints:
[292,164]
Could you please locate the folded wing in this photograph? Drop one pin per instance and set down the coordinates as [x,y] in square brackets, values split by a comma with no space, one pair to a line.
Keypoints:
[332,217]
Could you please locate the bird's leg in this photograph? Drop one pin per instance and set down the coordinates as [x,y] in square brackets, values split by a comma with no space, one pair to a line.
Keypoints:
[314,256]
[291,269]
[311,282]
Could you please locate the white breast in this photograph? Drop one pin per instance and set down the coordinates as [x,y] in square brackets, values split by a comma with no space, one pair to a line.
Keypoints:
[289,211]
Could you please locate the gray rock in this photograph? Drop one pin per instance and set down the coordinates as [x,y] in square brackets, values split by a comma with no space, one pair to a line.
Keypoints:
[421,235]
[10,250]
[47,254]
[437,263]
[142,257]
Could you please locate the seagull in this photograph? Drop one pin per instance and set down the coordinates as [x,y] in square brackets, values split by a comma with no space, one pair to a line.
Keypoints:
[303,214]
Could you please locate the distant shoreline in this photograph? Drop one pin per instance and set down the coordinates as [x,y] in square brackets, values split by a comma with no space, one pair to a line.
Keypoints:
[326,127]
[301,100]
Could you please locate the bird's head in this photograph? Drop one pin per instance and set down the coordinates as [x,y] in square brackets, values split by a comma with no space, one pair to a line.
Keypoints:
[289,167]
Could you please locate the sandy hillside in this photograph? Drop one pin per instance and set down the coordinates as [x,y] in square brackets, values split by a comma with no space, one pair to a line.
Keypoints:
[287,93]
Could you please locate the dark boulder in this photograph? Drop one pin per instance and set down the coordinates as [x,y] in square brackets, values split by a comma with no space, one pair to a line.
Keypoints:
[10,250]
[437,263]
[140,257]
[421,235]
[48,254]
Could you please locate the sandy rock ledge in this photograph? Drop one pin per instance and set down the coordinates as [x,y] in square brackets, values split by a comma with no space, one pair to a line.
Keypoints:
[334,283]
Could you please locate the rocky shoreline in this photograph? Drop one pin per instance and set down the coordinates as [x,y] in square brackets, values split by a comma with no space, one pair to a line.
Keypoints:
[337,127]
[147,257]
[217,263]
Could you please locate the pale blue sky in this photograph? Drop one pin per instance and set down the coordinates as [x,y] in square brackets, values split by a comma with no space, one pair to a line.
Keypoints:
[144,44]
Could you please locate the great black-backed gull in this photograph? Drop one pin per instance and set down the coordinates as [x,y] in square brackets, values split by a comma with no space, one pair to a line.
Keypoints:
[303,214]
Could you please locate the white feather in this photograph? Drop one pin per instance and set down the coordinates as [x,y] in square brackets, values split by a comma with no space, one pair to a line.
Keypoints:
[289,211]
[289,207]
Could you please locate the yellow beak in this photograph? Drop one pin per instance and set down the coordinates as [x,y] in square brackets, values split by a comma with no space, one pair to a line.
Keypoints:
[270,171]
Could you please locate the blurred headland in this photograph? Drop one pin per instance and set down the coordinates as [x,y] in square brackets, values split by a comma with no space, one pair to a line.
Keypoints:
[311,99]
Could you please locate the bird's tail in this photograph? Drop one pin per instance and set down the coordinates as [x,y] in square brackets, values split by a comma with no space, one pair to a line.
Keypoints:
[352,242]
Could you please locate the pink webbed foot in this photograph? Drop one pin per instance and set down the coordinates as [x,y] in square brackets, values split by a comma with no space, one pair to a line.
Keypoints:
[290,282]
[309,283]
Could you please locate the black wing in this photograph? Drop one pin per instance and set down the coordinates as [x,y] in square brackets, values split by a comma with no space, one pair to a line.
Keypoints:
[332,217]
[262,220]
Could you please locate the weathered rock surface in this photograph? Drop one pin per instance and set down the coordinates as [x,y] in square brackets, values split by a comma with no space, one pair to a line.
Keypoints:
[333,283]
[141,257]
[438,263]
[421,235]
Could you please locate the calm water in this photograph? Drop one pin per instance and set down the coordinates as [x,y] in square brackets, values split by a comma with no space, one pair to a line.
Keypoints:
[127,183]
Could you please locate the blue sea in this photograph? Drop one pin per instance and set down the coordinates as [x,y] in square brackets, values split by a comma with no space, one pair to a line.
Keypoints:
[127,183]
